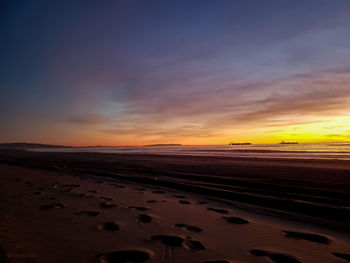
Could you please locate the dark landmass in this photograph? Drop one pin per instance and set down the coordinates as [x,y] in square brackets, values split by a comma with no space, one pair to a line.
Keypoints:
[24,145]
[162,144]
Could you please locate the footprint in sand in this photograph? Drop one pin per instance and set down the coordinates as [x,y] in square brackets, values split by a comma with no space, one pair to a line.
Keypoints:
[274,257]
[342,255]
[189,228]
[194,245]
[172,241]
[68,187]
[235,220]
[71,185]
[218,210]
[106,198]
[179,196]
[169,240]
[217,261]
[29,184]
[184,202]
[110,226]
[51,206]
[159,192]
[139,208]
[144,218]
[89,213]
[125,256]
[107,205]
[307,236]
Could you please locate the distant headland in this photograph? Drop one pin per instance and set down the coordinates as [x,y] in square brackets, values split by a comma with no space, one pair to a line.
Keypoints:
[24,145]
[169,144]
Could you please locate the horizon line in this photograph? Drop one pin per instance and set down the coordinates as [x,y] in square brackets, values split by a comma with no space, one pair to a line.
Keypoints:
[157,144]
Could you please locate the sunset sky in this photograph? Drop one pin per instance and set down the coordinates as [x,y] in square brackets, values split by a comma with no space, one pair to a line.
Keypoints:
[191,72]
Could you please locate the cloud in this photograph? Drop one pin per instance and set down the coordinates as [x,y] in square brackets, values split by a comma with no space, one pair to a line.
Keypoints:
[218,112]
[338,135]
[86,118]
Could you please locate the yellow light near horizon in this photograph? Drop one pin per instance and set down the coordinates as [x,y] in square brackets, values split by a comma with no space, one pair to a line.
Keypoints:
[335,128]
[323,129]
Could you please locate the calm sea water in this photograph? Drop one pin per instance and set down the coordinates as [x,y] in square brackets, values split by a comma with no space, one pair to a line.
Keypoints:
[339,151]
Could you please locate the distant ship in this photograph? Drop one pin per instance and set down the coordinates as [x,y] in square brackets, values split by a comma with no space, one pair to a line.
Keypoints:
[283,142]
[240,143]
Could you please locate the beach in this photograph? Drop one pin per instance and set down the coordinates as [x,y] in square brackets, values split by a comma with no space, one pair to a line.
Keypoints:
[105,207]
[175,131]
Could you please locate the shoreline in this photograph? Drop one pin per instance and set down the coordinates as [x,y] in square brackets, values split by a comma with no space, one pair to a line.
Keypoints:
[233,153]
[249,160]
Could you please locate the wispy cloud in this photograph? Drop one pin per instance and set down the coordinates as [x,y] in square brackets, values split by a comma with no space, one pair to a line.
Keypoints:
[293,101]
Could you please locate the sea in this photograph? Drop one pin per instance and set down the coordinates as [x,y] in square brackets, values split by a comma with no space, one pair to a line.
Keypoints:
[340,151]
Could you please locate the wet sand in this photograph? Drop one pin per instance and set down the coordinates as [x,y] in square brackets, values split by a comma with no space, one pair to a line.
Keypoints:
[58,207]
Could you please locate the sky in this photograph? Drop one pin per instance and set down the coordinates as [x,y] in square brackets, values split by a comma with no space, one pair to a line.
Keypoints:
[192,72]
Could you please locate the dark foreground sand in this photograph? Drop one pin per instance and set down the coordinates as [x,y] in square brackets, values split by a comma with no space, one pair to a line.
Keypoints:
[76,207]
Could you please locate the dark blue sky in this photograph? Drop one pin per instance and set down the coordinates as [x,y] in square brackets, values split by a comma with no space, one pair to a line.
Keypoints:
[146,69]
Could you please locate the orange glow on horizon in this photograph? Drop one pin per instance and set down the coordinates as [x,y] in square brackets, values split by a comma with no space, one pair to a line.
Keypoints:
[330,130]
